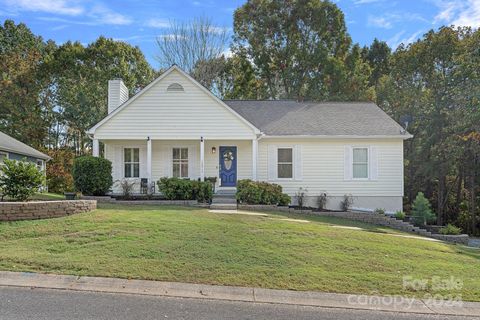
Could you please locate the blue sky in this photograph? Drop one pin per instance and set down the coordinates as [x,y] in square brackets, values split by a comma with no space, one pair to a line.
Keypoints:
[139,22]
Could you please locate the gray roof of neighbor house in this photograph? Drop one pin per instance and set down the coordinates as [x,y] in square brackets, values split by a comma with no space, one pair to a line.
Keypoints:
[286,117]
[10,144]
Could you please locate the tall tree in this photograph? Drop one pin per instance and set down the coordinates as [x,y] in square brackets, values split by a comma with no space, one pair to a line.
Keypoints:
[22,113]
[186,44]
[297,47]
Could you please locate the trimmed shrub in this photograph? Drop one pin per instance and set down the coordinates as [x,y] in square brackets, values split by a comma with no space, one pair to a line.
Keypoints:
[300,196]
[322,201]
[256,192]
[59,170]
[379,211]
[182,189]
[421,210]
[450,229]
[20,179]
[92,175]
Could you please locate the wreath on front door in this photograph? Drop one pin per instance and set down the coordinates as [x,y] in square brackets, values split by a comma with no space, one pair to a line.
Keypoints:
[228,156]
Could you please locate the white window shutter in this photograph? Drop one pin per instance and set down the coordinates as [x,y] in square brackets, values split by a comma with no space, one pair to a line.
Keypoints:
[118,170]
[272,162]
[142,154]
[193,165]
[167,161]
[347,163]
[297,162]
[373,163]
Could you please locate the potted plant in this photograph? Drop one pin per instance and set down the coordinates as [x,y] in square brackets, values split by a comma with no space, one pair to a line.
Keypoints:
[70,194]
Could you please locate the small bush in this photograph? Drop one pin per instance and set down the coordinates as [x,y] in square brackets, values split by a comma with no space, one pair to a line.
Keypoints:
[300,195]
[379,211]
[253,192]
[182,189]
[127,187]
[450,229]
[421,211]
[92,175]
[322,201]
[347,202]
[59,170]
[400,215]
[20,179]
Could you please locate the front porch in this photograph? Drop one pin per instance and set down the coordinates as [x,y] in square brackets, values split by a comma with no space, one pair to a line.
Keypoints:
[149,160]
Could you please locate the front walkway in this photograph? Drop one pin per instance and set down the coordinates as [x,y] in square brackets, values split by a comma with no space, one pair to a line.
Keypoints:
[258,295]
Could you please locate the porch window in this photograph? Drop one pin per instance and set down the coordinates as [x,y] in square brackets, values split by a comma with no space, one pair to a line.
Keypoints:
[285,163]
[131,159]
[360,163]
[40,165]
[180,162]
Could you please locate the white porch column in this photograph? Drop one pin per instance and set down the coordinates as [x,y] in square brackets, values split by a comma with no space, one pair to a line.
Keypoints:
[149,160]
[202,159]
[254,158]
[95,148]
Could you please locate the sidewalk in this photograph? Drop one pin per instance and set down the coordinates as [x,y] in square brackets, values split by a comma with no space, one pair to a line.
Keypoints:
[200,291]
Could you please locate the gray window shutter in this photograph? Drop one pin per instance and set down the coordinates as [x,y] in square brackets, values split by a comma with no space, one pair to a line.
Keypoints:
[272,162]
[347,163]
[297,162]
[167,161]
[373,163]
[119,168]
[193,164]
[142,154]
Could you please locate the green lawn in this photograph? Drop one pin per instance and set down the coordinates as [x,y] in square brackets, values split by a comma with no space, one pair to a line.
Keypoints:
[193,245]
[47,196]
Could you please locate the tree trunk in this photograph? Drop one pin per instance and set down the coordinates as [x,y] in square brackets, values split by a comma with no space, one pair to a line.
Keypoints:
[440,199]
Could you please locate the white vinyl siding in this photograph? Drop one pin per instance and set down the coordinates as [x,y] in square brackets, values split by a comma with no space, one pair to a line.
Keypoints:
[186,115]
[322,166]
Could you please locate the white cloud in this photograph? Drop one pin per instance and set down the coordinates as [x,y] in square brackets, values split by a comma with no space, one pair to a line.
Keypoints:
[104,15]
[157,23]
[366,1]
[398,38]
[51,6]
[458,12]
[379,22]
[91,15]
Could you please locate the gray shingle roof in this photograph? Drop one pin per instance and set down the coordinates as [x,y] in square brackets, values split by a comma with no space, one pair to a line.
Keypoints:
[284,117]
[10,144]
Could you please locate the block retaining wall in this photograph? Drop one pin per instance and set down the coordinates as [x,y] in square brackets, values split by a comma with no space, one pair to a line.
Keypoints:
[12,211]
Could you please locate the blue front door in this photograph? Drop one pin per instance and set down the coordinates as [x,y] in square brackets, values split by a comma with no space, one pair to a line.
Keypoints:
[228,166]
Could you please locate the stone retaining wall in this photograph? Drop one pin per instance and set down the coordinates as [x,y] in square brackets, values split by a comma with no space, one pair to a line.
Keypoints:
[371,218]
[12,211]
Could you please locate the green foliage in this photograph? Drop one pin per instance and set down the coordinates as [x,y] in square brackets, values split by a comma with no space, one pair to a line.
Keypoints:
[379,211]
[20,179]
[92,175]
[183,189]
[451,230]
[421,211]
[59,170]
[400,215]
[347,202]
[257,192]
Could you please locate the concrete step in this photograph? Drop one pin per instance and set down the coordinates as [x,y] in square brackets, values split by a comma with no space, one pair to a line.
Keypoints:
[223,200]
[223,206]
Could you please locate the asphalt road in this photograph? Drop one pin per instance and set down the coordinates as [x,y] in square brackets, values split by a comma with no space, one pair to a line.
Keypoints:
[26,303]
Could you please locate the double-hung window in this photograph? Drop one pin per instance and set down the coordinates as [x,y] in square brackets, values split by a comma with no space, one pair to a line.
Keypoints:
[360,163]
[180,162]
[285,163]
[131,160]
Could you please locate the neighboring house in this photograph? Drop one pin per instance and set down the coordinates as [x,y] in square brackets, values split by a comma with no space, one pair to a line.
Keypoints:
[13,149]
[176,127]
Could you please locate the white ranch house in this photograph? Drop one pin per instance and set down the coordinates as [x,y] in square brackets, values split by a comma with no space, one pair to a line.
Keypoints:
[176,127]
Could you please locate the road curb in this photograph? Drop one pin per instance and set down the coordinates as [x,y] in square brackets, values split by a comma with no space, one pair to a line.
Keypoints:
[246,294]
